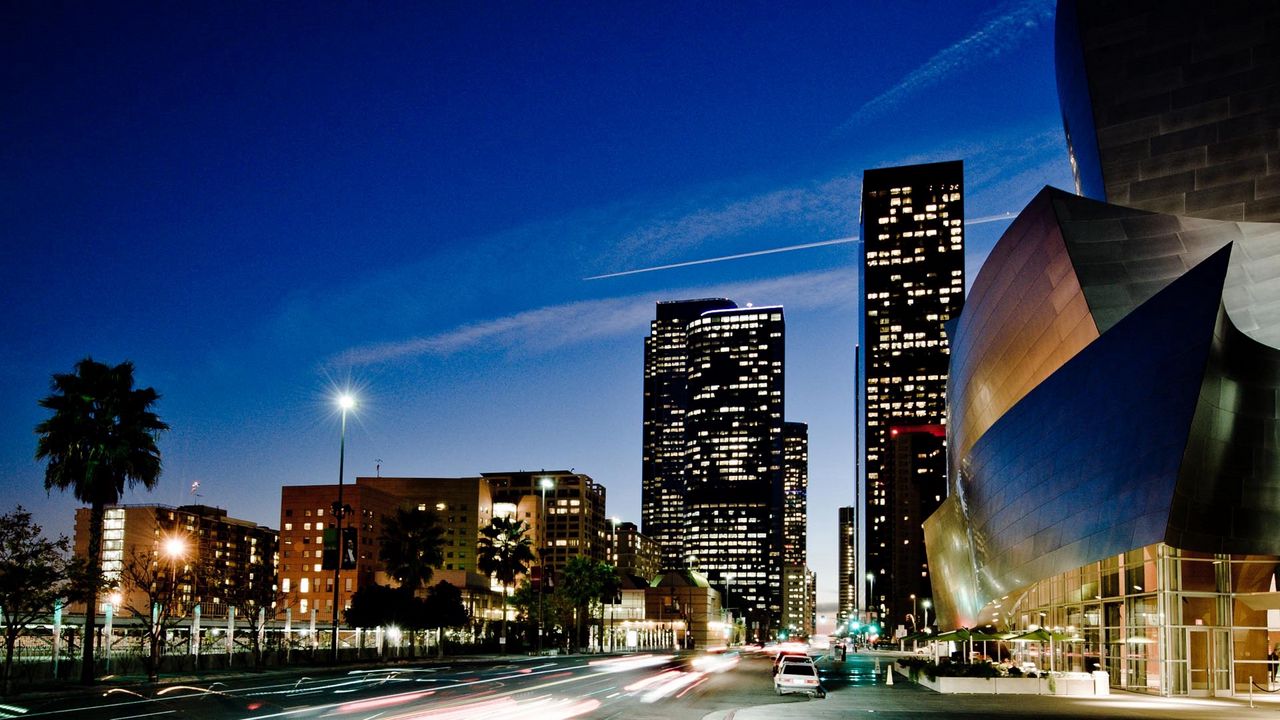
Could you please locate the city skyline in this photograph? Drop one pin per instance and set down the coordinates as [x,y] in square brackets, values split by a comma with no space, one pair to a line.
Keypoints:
[384,205]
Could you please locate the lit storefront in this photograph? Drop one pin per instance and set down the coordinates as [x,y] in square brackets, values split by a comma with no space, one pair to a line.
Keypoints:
[1158,619]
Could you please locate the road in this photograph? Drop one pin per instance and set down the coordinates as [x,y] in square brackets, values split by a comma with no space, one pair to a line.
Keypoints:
[651,687]
[662,687]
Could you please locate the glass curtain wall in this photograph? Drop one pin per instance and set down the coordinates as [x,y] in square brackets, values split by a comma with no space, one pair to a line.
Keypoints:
[1159,620]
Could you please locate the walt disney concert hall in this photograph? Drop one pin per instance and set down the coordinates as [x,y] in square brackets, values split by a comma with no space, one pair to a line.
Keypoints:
[1114,388]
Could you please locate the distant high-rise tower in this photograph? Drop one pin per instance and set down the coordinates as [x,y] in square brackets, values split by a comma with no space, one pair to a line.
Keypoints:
[796,584]
[912,284]
[847,577]
[799,586]
[666,399]
[795,491]
[734,456]
[917,472]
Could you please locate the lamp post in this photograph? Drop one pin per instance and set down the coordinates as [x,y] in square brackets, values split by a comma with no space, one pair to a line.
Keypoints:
[175,548]
[927,604]
[728,587]
[345,402]
[613,609]
[871,591]
[915,611]
[544,484]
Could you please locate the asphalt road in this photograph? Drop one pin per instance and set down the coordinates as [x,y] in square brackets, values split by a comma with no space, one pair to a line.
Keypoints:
[640,687]
[655,687]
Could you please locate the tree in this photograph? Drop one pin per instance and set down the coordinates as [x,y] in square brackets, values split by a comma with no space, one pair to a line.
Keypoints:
[255,597]
[381,605]
[412,547]
[586,583]
[442,609]
[100,438]
[34,574]
[504,551]
[525,598]
[149,591]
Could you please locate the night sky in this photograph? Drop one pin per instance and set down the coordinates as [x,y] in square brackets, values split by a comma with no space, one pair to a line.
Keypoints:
[260,203]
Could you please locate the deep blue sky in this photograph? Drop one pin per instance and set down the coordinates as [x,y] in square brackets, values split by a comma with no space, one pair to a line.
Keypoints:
[260,202]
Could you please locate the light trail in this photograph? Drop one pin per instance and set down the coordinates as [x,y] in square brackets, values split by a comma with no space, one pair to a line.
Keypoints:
[293,689]
[771,251]
[330,707]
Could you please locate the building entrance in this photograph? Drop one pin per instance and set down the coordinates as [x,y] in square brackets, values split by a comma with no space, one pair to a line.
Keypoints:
[1208,662]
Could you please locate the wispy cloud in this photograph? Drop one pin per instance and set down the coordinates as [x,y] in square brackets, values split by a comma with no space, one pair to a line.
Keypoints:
[1004,216]
[829,204]
[1005,31]
[825,209]
[556,326]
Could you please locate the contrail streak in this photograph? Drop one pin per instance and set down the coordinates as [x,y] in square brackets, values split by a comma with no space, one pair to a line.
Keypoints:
[771,251]
[722,258]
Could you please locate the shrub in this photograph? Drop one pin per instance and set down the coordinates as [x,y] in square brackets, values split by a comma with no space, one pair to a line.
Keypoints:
[916,666]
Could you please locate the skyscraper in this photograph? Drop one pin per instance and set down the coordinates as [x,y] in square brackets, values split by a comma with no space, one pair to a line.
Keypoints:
[734,456]
[797,581]
[847,576]
[666,398]
[795,492]
[917,471]
[912,283]
[799,605]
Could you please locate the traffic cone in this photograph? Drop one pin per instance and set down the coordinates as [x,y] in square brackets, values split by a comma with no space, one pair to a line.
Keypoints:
[888,680]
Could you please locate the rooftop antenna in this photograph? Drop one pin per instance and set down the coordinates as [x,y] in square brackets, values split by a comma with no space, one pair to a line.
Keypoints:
[195,485]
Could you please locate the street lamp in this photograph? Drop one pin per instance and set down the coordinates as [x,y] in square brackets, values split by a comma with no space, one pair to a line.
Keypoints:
[927,604]
[175,548]
[871,590]
[915,612]
[544,484]
[345,403]
[613,608]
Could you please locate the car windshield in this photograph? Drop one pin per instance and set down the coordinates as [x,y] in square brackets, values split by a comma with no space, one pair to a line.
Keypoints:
[798,669]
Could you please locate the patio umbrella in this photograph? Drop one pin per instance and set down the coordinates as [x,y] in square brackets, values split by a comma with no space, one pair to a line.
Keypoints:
[1041,636]
[986,637]
[959,635]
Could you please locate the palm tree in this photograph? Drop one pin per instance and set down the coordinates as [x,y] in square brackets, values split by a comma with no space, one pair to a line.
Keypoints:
[504,551]
[100,438]
[412,547]
[586,583]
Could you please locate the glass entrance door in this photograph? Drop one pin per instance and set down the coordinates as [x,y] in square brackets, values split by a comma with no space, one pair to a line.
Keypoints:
[1199,663]
[1208,662]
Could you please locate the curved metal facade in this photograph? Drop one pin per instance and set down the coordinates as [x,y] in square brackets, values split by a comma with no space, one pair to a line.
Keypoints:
[1173,106]
[1115,383]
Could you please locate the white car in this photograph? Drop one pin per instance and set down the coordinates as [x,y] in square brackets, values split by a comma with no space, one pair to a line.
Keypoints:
[798,677]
